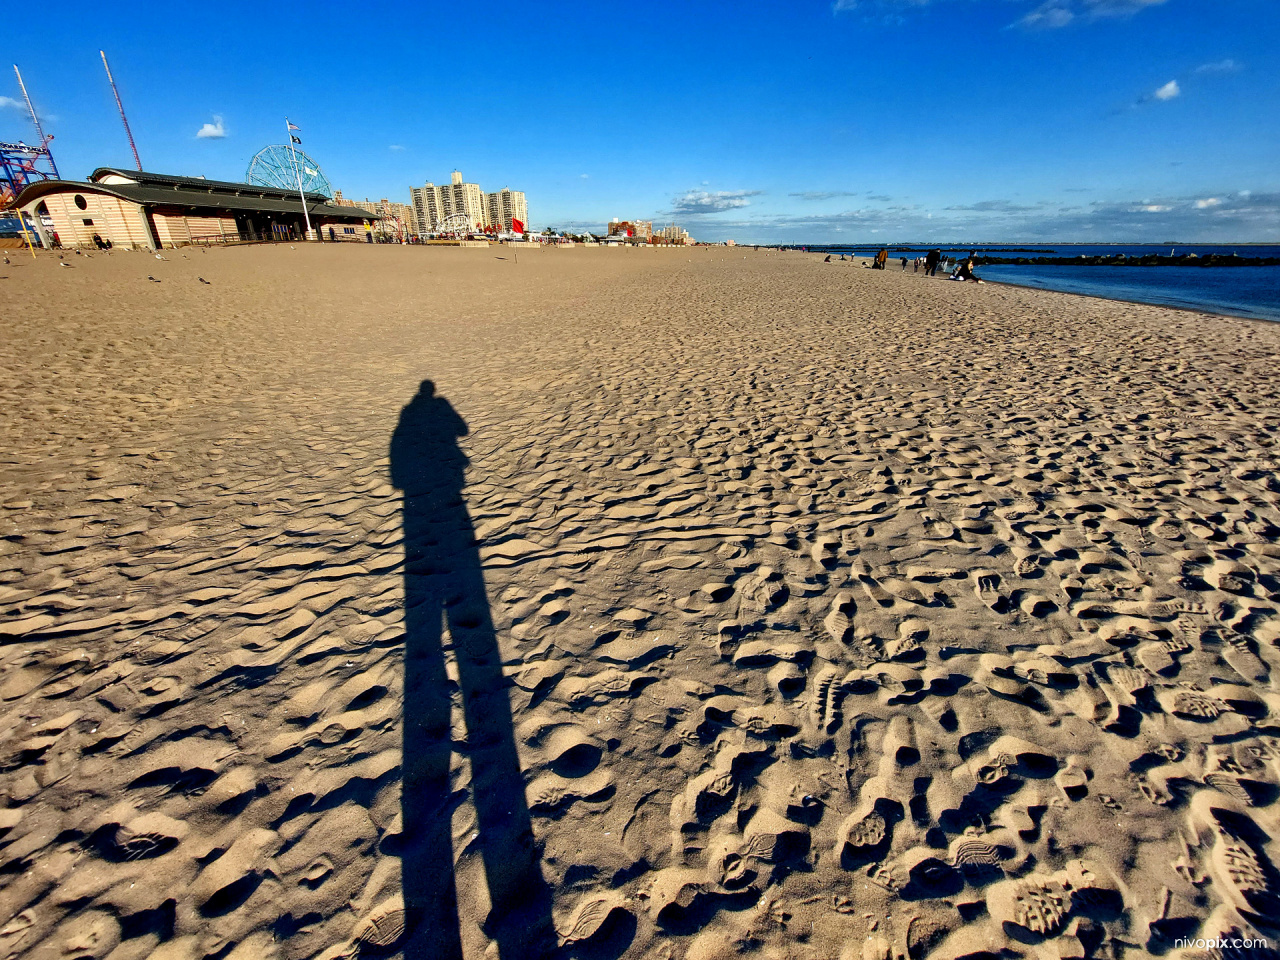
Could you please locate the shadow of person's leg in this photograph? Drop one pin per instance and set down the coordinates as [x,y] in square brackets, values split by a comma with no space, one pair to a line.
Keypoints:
[520,920]
[427,857]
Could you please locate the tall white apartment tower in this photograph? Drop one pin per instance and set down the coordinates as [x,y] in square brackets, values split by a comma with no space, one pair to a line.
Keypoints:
[428,206]
[467,198]
[507,205]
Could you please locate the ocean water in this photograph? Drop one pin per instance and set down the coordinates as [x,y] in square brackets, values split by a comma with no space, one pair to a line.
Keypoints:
[1233,291]
[1056,249]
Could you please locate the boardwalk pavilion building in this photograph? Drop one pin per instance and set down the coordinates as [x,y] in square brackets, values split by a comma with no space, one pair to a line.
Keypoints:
[152,210]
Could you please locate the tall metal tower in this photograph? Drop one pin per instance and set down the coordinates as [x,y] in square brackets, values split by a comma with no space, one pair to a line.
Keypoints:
[125,120]
[21,163]
[35,119]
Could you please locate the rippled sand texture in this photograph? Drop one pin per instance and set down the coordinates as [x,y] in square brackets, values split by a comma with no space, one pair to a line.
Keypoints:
[846,613]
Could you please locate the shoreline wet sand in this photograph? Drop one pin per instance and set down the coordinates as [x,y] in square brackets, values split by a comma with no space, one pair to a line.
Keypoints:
[827,612]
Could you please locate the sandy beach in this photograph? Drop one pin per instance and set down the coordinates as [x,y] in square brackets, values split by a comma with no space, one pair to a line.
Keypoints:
[705,603]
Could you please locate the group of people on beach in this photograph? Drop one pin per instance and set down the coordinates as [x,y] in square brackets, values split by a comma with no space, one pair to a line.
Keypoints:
[931,262]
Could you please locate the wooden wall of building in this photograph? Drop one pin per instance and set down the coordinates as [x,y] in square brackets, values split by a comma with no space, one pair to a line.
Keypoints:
[111,218]
[176,230]
[349,232]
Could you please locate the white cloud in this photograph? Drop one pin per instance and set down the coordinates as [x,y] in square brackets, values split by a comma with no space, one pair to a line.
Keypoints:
[992,206]
[1168,91]
[1155,208]
[584,176]
[10,103]
[702,201]
[1117,8]
[823,194]
[395,146]
[844,6]
[1208,202]
[212,131]
[1048,16]
[1053,14]
[1219,66]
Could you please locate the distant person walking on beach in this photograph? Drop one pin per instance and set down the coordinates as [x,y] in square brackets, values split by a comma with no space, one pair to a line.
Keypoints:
[904,264]
[931,262]
[882,258]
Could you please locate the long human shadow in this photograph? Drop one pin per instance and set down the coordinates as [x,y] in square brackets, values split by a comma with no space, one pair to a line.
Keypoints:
[444,583]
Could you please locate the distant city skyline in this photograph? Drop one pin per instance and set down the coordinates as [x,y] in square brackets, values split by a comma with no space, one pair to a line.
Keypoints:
[858,120]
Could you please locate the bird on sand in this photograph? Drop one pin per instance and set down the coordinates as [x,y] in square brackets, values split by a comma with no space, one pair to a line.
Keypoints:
[153,279]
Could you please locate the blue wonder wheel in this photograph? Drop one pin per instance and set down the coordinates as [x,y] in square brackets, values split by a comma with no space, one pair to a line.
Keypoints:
[274,166]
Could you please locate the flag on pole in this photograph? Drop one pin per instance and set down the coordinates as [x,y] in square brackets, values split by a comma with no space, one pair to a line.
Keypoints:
[290,126]
[517,226]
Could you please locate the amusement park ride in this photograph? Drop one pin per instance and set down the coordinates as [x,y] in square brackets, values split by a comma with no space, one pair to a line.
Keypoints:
[22,163]
[456,226]
[279,166]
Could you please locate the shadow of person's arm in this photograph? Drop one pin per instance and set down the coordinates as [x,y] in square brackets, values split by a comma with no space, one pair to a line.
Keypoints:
[396,455]
[452,420]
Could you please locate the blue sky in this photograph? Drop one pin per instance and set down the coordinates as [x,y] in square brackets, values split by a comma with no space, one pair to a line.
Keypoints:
[859,120]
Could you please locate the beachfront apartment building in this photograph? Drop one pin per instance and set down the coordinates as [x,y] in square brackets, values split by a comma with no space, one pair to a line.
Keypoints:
[674,234]
[636,229]
[641,231]
[466,198]
[504,206]
[433,204]
[426,204]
